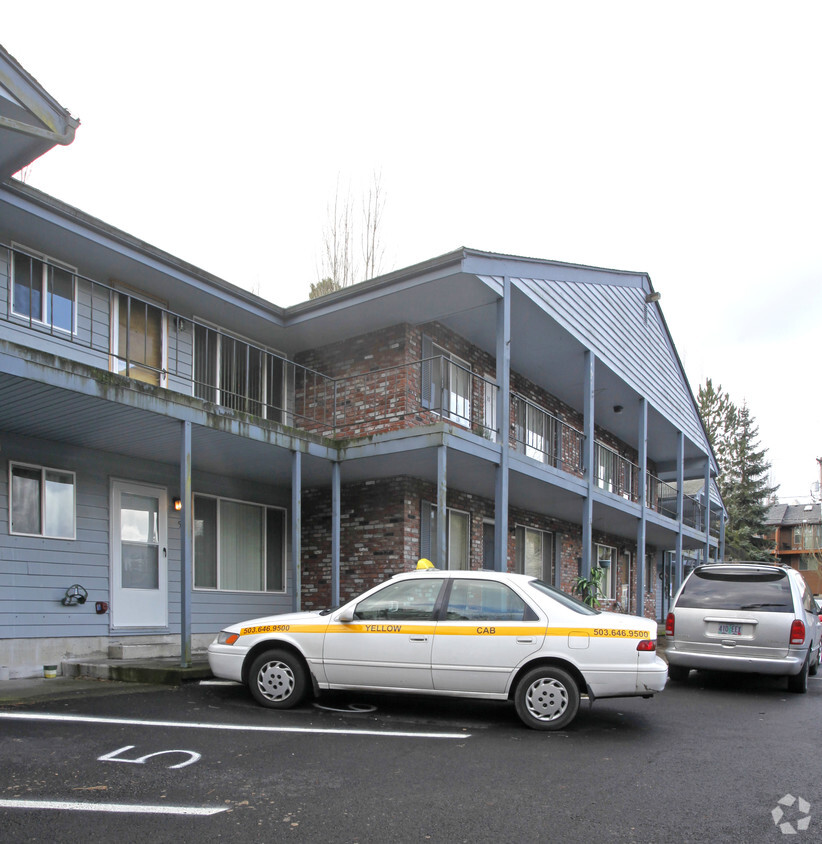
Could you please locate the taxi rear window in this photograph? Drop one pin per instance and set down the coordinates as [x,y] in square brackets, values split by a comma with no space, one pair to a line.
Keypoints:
[751,591]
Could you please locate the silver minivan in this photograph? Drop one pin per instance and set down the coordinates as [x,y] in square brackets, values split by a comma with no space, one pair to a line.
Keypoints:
[748,617]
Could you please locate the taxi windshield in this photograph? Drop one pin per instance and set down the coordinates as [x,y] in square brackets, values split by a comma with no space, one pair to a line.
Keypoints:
[563,598]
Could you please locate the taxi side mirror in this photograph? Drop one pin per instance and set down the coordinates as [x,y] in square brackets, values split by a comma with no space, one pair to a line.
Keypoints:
[346,615]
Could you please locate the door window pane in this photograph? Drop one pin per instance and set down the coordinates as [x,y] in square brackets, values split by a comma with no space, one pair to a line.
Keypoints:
[409,600]
[140,566]
[478,601]
[27,296]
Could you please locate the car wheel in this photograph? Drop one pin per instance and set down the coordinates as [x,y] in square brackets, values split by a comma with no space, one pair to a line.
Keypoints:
[815,667]
[678,672]
[547,699]
[798,683]
[277,679]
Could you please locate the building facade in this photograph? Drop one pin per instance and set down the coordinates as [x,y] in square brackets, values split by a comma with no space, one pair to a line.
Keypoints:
[796,534]
[178,454]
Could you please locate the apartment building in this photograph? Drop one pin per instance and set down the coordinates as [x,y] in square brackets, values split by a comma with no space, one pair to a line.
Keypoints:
[178,453]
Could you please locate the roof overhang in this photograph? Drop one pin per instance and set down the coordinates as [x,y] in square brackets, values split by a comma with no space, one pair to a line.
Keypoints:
[31,120]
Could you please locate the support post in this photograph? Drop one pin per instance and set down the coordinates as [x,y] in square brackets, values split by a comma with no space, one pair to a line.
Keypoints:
[588,462]
[642,435]
[503,376]
[707,500]
[186,548]
[296,528]
[680,506]
[335,534]
[442,510]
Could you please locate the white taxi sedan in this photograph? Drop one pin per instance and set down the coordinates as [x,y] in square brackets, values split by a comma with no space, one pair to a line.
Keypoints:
[478,634]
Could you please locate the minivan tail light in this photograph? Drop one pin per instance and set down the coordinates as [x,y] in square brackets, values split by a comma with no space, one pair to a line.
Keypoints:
[646,645]
[798,632]
[669,624]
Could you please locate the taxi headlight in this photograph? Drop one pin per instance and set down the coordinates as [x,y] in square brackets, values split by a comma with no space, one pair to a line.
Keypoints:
[226,638]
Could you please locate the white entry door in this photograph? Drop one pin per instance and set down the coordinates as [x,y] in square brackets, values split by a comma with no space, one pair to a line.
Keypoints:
[139,556]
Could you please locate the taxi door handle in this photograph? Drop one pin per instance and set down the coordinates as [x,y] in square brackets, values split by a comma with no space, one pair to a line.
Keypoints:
[418,638]
[525,640]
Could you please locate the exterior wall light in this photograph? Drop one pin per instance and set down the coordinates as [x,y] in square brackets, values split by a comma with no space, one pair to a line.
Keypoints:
[178,504]
[652,297]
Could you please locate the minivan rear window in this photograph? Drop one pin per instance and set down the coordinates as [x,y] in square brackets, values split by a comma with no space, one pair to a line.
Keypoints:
[752,591]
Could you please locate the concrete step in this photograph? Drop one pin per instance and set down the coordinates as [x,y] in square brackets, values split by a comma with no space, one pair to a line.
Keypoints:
[158,670]
[143,650]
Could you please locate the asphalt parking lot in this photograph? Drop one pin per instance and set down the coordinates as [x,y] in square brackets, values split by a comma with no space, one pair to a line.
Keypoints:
[706,760]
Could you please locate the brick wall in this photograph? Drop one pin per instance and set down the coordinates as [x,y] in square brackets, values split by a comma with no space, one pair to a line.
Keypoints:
[380,536]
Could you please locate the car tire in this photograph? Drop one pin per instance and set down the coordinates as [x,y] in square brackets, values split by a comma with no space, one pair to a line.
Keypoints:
[798,683]
[678,673]
[277,679]
[547,698]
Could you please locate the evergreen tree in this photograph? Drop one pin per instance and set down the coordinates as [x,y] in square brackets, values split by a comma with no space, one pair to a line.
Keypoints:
[745,491]
[743,472]
[720,416]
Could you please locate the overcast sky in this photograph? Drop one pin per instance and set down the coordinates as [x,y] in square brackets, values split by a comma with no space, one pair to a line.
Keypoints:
[682,140]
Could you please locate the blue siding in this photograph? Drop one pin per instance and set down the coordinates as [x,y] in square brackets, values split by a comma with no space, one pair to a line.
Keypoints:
[627,335]
[35,572]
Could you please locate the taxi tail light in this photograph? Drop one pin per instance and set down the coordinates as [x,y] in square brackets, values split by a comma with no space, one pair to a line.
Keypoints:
[798,632]
[669,624]
[646,645]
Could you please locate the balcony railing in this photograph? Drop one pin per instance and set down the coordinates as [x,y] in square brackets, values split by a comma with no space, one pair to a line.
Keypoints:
[541,435]
[142,340]
[615,473]
[660,496]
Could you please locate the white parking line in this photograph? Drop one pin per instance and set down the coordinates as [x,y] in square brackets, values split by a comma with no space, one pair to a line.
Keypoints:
[188,725]
[72,806]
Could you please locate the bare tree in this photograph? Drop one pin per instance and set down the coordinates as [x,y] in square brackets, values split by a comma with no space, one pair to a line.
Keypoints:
[340,267]
[372,211]
[339,259]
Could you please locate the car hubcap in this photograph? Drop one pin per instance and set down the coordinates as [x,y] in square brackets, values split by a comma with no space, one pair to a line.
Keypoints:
[275,681]
[546,699]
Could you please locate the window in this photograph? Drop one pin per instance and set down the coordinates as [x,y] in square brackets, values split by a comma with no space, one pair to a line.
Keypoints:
[535,553]
[238,547]
[457,537]
[446,383]
[139,337]
[42,502]
[234,374]
[473,600]
[408,600]
[607,467]
[536,432]
[606,559]
[42,291]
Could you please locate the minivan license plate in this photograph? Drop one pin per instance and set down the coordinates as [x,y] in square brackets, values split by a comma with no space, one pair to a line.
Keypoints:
[730,629]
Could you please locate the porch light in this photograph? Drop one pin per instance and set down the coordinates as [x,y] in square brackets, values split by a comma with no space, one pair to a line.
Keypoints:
[178,504]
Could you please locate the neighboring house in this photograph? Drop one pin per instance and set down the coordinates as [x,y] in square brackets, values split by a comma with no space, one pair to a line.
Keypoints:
[190,455]
[796,533]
